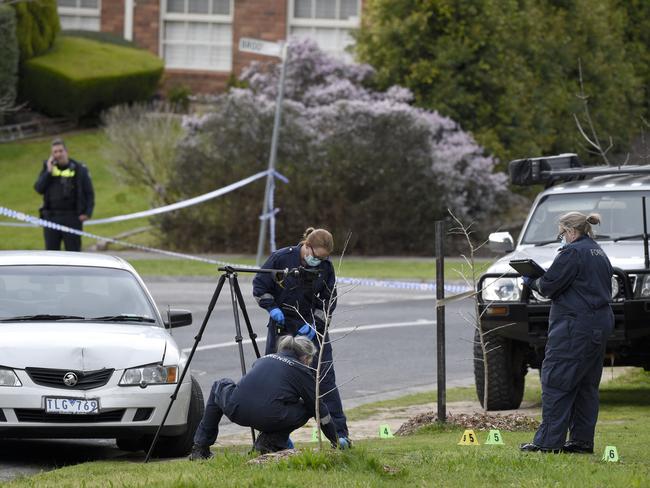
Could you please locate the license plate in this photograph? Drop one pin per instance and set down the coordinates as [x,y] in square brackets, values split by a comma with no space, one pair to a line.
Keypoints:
[72,406]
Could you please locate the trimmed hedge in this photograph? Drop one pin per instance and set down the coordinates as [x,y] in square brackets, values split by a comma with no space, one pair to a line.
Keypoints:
[99,37]
[81,76]
[37,27]
[8,58]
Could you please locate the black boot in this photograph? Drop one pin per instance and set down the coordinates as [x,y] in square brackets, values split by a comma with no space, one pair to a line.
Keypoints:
[530,447]
[578,447]
[268,442]
[200,452]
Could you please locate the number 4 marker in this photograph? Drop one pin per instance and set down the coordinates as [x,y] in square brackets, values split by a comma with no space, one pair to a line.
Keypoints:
[384,432]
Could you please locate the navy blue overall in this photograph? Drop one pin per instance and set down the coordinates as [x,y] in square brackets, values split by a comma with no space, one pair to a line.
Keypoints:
[580,284]
[276,396]
[311,295]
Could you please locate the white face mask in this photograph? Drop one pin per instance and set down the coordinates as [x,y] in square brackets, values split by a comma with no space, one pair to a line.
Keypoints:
[563,240]
[312,261]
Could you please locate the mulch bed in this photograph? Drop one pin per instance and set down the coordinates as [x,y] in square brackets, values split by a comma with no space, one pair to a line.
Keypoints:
[478,421]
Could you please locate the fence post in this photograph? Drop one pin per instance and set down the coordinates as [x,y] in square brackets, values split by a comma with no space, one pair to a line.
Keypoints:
[440,320]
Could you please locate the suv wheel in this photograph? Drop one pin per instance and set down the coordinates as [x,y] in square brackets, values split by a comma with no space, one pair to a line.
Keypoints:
[506,372]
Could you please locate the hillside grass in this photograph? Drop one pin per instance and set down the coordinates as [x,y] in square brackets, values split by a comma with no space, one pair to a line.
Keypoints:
[429,458]
[20,164]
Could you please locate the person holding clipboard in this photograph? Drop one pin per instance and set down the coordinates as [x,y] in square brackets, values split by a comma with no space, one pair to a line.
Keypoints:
[579,283]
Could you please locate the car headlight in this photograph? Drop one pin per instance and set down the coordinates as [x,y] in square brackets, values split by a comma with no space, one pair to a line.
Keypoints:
[645,286]
[155,374]
[502,289]
[615,286]
[9,378]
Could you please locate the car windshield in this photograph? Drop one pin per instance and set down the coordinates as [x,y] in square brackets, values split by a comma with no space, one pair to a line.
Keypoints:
[621,215]
[72,292]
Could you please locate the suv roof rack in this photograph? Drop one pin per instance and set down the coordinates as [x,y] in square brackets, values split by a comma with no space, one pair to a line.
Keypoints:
[549,170]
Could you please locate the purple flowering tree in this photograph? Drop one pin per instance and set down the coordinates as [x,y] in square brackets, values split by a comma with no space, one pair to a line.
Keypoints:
[357,158]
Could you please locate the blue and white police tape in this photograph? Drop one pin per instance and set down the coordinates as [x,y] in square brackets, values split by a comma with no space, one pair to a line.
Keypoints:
[174,206]
[404,285]
[7,212]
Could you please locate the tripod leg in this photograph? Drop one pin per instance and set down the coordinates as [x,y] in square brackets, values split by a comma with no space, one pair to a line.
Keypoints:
[238,337]
[197,339]
[242,306]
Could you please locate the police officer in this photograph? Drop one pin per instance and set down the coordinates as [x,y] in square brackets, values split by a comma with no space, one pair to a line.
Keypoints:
[580,284]
[68,197]
[276,397]
[300,303]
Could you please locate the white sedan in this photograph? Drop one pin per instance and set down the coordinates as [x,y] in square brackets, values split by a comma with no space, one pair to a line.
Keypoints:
[85,353]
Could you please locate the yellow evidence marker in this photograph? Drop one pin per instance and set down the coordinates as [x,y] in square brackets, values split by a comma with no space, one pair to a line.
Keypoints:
[469,439]
[611,454]
[494,437]
[384,432]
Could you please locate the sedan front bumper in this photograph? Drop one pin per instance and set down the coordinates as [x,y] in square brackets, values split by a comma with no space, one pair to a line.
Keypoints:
[123,411]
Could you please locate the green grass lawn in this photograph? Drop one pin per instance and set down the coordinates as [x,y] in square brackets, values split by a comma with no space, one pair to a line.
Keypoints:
[428,458]
[20,164]
[388,269]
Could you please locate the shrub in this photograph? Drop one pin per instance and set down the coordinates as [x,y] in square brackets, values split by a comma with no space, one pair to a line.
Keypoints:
[507,70]
[37,26]
[357,159]
[142,144]
[179,97]
[81,76]
[8,59]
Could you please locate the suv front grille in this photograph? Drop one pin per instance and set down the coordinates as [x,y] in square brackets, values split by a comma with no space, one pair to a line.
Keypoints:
[86,380]
[39,415]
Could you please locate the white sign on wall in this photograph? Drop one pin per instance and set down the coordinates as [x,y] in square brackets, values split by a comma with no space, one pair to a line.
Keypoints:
[257,46]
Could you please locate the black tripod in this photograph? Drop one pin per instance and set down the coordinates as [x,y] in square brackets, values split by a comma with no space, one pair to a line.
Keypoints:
[237,299]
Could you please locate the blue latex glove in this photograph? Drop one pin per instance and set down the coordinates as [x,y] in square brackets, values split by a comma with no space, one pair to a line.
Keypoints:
[528,281]
[308,331]
[277,315]
[345,443]
[290,443]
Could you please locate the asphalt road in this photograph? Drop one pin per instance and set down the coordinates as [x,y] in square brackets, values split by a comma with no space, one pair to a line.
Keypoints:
[385,347]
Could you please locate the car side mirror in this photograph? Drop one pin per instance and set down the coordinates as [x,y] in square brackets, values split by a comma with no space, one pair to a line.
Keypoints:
[501,242]
[178,318]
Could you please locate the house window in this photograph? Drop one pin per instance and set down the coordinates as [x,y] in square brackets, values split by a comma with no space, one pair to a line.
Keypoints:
[328,22]
[80,14]
[197,34]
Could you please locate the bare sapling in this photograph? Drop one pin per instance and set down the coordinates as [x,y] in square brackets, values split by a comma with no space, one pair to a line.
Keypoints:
[323,315]
[482,336]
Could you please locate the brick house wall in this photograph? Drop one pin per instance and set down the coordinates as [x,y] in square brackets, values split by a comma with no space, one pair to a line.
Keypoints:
[261,19]
[146,25]
[112,17]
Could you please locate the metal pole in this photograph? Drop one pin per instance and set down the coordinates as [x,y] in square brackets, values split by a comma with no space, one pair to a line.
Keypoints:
[238,337]
[274,150]
[645,235]
[440,320]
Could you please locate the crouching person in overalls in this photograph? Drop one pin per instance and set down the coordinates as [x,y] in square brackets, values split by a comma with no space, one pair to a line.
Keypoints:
[580,284]
[276,397]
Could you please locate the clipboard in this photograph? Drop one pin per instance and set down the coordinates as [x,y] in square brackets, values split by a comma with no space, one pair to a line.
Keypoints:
[527,267]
